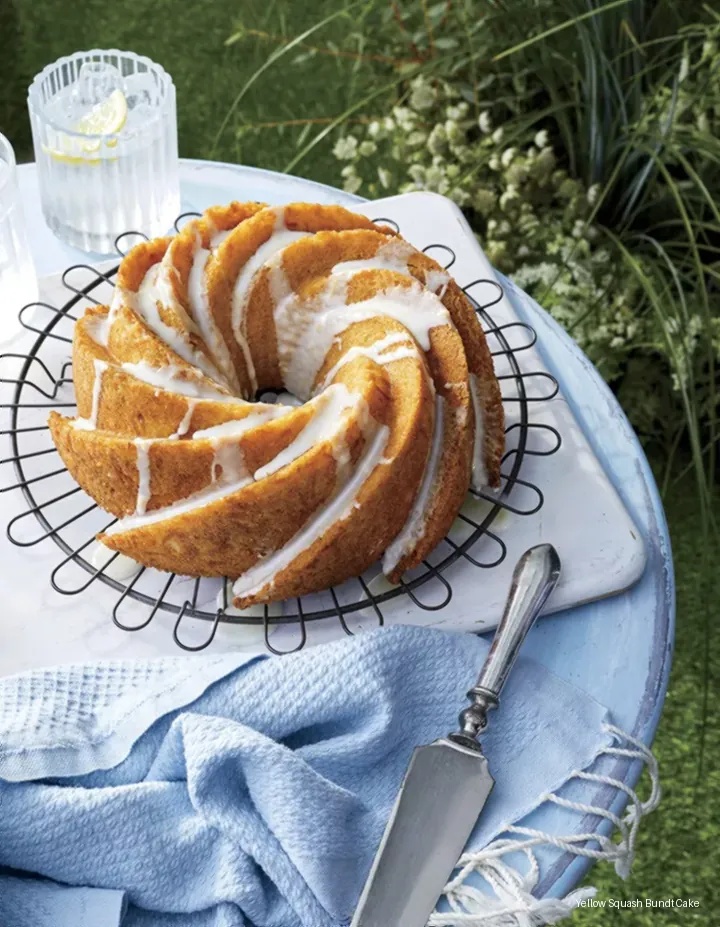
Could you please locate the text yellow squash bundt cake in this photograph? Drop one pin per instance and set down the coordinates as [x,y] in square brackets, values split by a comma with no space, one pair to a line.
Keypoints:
[399,409]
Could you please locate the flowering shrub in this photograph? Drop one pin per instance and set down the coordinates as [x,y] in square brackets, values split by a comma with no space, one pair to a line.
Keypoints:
[533,219]
[530,216]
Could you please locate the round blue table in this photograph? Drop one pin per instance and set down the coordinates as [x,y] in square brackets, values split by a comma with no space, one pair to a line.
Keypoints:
[618,649]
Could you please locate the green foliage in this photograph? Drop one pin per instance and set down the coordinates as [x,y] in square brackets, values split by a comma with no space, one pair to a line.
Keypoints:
[678,849]
[581,139]
[530,215]
[533,219]
[12,83]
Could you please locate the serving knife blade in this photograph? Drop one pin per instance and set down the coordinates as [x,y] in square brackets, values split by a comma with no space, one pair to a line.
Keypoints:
[448,782]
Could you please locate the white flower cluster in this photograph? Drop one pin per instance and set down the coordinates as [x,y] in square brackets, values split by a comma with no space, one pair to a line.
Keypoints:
[533,219]
[531,216]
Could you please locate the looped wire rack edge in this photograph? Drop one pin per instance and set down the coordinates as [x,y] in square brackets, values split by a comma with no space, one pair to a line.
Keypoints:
[299,611]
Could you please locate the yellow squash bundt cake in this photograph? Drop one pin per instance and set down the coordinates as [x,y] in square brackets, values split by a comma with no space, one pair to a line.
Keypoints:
[397,407]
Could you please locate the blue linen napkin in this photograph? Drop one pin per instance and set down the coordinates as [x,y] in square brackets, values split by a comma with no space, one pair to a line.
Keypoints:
[230,791]
[46,904]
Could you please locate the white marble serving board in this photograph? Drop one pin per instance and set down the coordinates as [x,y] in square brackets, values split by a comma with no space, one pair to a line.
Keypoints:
[582,515]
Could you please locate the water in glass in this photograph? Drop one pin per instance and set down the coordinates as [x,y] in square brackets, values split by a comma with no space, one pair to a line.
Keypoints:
[105,136]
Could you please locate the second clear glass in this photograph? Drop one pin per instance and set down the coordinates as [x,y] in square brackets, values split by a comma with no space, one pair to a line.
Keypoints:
[18,283]
[94,187]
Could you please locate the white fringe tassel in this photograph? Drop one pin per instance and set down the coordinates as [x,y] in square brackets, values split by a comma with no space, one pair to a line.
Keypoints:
[512,903]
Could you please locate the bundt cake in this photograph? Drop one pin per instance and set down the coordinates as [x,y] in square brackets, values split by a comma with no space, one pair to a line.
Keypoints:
[398,409]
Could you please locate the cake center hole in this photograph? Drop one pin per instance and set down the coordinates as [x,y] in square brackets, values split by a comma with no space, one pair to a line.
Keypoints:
[280,398]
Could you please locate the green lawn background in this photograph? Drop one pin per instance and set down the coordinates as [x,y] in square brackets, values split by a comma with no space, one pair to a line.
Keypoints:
[678,847]
[188,39]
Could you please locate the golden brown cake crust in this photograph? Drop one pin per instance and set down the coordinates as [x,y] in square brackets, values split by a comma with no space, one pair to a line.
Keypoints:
[159,369]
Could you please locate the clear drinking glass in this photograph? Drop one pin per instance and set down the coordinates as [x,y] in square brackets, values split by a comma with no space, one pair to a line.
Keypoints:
[18,283]
[105,175]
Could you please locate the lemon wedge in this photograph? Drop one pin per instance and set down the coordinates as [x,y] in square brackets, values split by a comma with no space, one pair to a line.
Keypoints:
[105,118]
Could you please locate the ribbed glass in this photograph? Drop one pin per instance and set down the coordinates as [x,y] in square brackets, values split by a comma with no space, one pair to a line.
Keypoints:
[95,187]
[18,283]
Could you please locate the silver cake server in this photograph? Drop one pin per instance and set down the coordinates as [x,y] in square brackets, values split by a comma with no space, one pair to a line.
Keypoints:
[448,782]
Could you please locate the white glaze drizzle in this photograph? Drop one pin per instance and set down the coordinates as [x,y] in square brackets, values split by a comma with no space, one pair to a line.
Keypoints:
[121,568]
[173,379]
[413,528]
[184,426]
[374,352]
[437,281]
[339,508]
[155,290]
[143,467]
[394,254]
[90,424]
[479,476]
[228,464]
[228,474]
[277,278]
[228,460]
[213,493]
[219,237]
[279,239]
[239,426]
[306,332]
[341,451]
[200,304]
[326,425]
[461,414]
[98,327]
[331,408]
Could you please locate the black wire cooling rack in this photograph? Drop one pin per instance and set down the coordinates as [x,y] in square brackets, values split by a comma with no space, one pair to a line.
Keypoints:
[482,547]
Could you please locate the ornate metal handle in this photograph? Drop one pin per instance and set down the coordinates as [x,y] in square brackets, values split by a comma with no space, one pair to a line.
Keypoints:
[534,578]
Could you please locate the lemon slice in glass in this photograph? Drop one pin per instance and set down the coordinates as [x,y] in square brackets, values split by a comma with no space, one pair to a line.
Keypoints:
[105,118]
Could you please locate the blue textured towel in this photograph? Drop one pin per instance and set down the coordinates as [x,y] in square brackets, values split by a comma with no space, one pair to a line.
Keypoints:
[224,792]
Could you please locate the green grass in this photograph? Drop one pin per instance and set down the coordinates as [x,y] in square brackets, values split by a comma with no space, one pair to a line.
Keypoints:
[678,847]
[678,851]
[189,40]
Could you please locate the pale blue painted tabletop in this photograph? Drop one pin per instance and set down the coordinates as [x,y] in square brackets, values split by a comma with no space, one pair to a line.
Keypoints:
[618,649]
